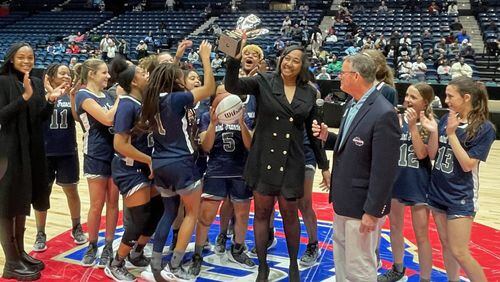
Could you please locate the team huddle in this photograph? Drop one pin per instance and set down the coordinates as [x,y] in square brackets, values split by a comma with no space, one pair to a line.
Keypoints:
[155,138]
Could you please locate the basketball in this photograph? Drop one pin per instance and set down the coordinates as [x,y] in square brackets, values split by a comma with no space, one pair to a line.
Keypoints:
[228,108]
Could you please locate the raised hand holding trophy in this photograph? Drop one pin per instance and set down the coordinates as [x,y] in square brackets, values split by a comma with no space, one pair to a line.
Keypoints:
[230,40]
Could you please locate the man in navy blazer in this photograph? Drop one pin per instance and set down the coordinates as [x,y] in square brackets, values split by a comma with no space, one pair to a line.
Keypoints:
[366,152]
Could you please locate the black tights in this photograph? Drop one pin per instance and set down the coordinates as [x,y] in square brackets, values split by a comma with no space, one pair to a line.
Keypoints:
[12,236]
[264,206]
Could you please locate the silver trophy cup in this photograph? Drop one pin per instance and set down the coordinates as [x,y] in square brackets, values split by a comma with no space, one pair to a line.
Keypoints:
[230,40]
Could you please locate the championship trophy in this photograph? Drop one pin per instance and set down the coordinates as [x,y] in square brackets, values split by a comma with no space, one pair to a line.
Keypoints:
[230,40]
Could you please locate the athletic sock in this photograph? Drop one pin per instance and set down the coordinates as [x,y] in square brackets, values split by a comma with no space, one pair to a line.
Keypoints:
[176,259]
[117,260]
[137,251]
[75,221]
[398,267]
[156,260]
[198,249]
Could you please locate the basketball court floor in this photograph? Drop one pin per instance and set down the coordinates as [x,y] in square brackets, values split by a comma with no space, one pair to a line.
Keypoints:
[63,256]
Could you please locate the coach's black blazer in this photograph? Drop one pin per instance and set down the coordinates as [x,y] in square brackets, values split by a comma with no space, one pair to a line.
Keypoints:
[365,164]
[277,153]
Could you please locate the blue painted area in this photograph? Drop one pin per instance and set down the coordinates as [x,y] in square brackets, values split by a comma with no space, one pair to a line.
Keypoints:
[278,256]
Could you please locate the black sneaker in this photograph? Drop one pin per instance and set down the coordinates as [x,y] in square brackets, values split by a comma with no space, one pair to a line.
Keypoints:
[196,262]
[220,244]
[78,236]
[207,247]
[40,242]
[119,272]
[270,244]
[90,256]
[392,275]
[240,257]
[139,261]
[106,255]
[310,255]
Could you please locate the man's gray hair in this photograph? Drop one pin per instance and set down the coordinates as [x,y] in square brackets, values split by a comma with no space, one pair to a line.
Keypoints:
[364,65]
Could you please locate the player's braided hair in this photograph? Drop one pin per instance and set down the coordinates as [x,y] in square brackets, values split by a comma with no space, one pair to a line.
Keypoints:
[165,78]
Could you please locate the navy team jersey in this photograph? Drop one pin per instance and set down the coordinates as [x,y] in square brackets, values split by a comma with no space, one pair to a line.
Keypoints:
[250,105]
[228,155]
[450,185]
[59,131]
[413,180]
[127,113]
[171,137]
[97,138]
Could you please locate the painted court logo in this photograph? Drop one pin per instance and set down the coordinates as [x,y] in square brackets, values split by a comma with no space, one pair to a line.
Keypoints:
[63,257]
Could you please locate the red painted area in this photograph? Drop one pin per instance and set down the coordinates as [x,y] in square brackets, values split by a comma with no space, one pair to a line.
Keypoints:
[484,246]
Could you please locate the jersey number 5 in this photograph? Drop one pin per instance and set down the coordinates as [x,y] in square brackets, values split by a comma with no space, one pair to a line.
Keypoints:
[228,140]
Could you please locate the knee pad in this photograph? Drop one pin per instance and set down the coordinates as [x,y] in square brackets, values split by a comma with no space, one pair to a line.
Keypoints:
[156,211]
[138,219]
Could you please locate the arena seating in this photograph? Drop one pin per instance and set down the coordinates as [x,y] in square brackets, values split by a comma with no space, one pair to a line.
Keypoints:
[12,18]
[58,23]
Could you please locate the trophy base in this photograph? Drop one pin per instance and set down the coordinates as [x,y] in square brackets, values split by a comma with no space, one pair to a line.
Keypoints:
[229,45]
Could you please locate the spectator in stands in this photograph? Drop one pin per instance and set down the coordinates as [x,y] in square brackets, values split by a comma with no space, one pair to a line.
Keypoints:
[467,52]
[216,29]
[427,34]
[441,46]
[404,50]
[74,48]
[358,8]
[72,62]
[286,26]
[419,69]
[70,38]
[443,68]
[462,35]
[148,38]
[456,26]
[405,39]
[81,37]
[111,50]
[453,8]
[169,4]
[323,75]
[142,50]
[382,9]
[103,46]
[50,48]
[334,66]
[216,62]
[162,27]
[430,56]
[296,33]
[59,49]
[368,43]
[351,50]
[418,51]
[123,48]
[316,40]
[303,21]
[450,38]
[491,27]
[278,46]
[460,68]
[323,55]
[193,57]
[405,68]
[438,61]
[304,9]
[331,38]
[380,42]
[433,8]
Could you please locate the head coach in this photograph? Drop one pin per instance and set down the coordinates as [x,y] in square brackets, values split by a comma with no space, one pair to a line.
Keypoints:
[366,152]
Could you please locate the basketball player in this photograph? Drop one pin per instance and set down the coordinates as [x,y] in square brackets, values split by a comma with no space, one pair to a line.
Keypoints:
[164,111]
[62,157]
[131,172]
[465,138]
[96,110]
[412,184]
[227,145]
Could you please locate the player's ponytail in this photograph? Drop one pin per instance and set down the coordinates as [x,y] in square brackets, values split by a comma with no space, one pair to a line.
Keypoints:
[90,65]
[479,102]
